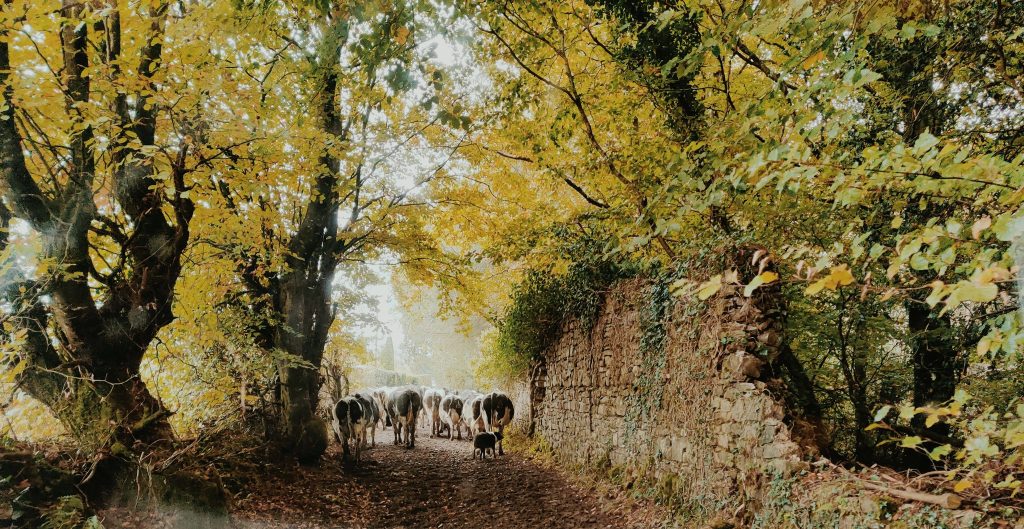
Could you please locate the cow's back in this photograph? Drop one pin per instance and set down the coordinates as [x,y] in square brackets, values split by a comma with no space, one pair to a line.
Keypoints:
[477,404]
[405,401]
[340,412]
[355,410]
[497,408]
[369,408]
[450,404]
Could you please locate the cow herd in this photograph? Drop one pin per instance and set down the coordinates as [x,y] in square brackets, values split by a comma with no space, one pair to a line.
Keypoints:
[354,419]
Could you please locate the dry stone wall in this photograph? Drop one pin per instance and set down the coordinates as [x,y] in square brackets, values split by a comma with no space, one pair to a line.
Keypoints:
[682,405]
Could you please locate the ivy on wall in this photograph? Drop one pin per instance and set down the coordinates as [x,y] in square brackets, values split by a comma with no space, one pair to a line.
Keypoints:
[544,301]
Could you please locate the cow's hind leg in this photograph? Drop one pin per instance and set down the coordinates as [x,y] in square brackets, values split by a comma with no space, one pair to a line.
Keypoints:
[344,450]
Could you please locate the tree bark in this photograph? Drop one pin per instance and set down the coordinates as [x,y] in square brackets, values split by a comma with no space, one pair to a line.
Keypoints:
[800,385]
[935,359]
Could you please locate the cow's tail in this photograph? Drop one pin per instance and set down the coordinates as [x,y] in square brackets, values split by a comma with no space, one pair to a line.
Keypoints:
[410,415]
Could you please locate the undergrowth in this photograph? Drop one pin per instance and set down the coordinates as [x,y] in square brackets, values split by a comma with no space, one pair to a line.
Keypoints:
[545,300]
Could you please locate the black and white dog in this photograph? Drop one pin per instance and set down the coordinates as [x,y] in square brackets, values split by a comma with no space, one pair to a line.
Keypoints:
[485,441]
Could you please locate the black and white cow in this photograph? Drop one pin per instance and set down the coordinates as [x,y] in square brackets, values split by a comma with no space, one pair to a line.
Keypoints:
[404,406]
[473,416]
[380,397]
[373,415]
[424,417]
[349,420]
[432,409]
[451,415]
[497,413]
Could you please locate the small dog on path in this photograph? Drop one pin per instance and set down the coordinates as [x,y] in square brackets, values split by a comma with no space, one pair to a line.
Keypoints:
[485,441]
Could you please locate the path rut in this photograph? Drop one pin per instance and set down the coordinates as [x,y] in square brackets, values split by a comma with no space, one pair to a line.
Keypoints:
[437,484]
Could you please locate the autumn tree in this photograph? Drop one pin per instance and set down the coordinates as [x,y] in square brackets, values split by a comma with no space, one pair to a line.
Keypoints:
[338,182]
[99,148]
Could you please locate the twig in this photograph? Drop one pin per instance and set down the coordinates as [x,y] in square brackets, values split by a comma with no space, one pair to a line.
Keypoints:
[947,500]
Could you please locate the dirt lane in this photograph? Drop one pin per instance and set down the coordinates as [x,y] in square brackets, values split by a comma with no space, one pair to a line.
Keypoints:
[436,484]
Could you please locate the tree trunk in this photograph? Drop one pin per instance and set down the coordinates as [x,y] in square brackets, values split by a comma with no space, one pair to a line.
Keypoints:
[302,431]
[934,352]
[934,356]
[800,386]
[303,291]
[864,448]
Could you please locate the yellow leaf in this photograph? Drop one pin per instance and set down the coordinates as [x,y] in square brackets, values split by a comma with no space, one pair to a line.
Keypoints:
[981,225]
[841,275]
[992,274]
[837,276]
[911,442]
[984,345]
[893,269]
[809,62]
[402,35]
[11,375]
[680,286]
[815,287]
[709,287]
[977,293]
[963,485]
[761,279]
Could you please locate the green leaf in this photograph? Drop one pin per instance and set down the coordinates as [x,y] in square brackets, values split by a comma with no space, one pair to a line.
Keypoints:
[968,291]
[925,141]
[911,441]
[939,452]
[1009,227]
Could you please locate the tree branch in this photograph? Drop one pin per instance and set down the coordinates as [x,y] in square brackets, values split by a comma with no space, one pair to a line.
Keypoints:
[20,189]
[583,193]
